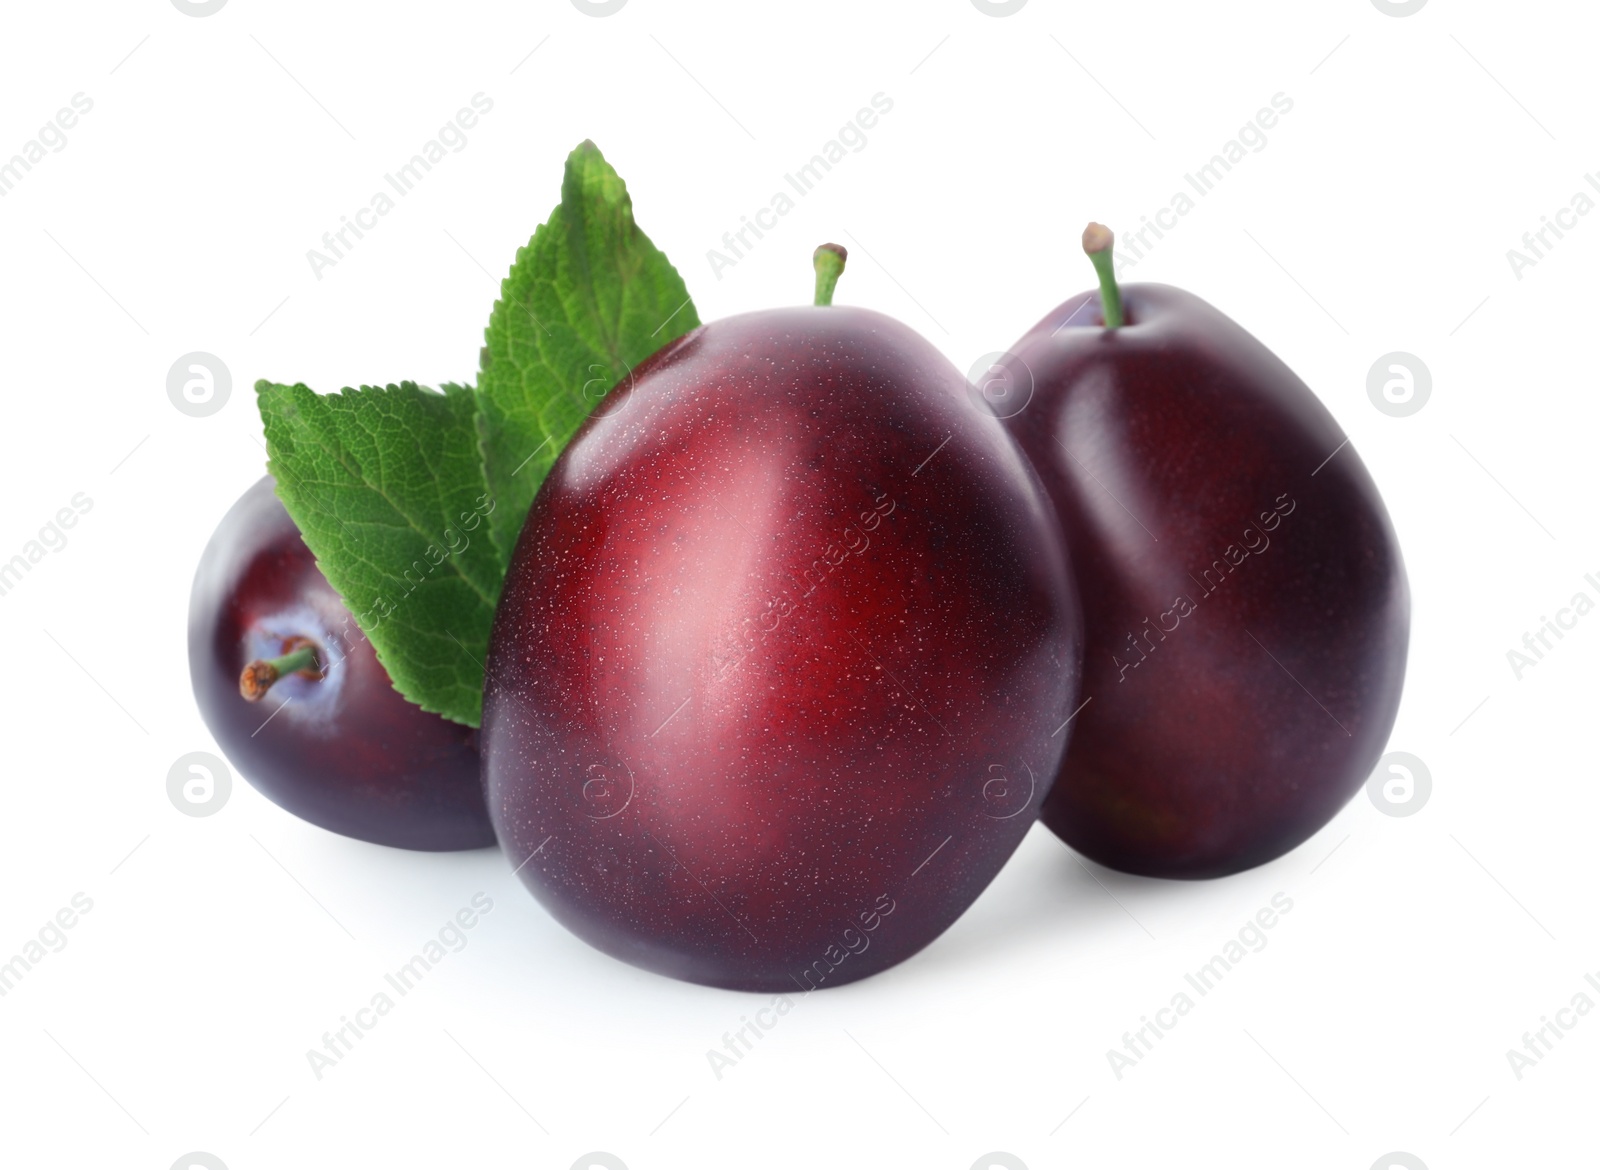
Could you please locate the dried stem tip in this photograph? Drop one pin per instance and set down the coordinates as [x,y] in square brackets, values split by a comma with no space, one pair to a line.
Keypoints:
[1097,237]
[258,677]
[828,260]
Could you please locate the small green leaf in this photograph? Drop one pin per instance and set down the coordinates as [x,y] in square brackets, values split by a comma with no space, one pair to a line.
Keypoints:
[387,487]
[588,298]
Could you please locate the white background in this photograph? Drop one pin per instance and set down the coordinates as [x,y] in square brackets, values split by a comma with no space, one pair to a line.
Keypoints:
[1377,218]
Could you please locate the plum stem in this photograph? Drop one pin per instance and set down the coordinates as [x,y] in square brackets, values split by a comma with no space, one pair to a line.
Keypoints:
[257,677]
[828,260]
[1097,243]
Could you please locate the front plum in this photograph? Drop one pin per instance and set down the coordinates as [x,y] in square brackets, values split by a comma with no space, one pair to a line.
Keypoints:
[777,682]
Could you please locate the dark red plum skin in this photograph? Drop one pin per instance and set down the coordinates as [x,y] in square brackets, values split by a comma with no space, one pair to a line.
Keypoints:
[777,681]
[1241,718]
[346,751]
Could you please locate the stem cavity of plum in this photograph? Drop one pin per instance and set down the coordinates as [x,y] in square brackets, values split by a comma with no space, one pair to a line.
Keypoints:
[1097,244]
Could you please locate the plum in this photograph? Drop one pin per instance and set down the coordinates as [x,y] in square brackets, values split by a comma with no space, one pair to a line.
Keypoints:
[297,700]
[778,678]
[1245,605]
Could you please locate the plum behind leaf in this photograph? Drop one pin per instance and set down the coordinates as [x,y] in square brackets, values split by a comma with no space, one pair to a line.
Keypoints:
[334,744]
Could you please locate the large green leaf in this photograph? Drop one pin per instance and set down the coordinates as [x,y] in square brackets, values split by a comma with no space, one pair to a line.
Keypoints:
[588,298]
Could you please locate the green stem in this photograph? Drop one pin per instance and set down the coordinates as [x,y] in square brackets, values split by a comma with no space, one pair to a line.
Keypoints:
[258,677]
[1097,242]
[828,260]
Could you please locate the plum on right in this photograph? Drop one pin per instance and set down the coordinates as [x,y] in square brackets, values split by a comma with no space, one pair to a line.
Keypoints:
[1245,606]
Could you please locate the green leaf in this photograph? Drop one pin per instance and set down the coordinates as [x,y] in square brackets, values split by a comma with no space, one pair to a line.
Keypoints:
[387,487]
[588,298]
